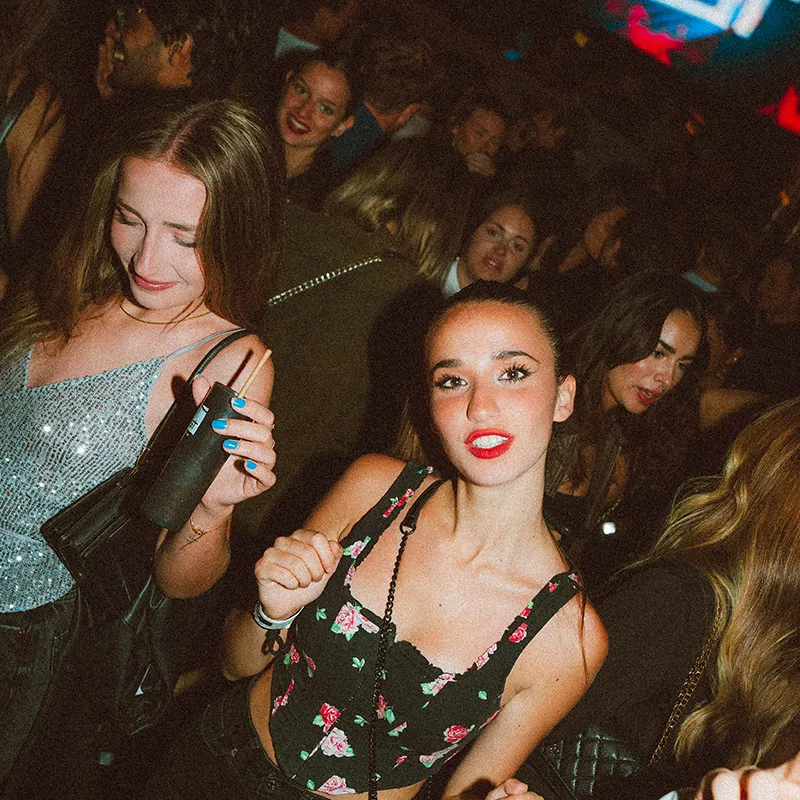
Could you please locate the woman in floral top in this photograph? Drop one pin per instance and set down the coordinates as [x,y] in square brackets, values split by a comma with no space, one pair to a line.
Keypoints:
[489,641]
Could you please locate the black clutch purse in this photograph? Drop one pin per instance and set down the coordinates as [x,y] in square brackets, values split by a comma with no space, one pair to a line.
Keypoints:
[131,642]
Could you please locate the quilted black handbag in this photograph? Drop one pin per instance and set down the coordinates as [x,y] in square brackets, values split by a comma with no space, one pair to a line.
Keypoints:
[131,642]
[573,767]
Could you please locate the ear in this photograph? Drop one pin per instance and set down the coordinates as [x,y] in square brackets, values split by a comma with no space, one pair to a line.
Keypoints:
[345,125]
[288,76]
[565,400]
[180,53]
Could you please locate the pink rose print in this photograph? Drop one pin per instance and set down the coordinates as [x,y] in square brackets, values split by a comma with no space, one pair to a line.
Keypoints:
[327,716]
[336,785]
[294,655]
[398,501]
[381,707]
[310,663]
[398,730]
[400,760]
[282,700]
[575,578]
[428,760]
[485,657]
[354,550]
[519,634]
[455,733]
[348,579]
[526,612]
[552,586]
[434,687]
[349,620]
[336,744]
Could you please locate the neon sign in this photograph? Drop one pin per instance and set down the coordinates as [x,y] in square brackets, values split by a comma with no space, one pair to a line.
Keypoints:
[740,16]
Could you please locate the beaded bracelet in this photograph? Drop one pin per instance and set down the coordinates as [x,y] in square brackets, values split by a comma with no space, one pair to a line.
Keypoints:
[269,624]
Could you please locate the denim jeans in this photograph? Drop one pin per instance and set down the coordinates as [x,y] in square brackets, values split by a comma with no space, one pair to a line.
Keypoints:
[220,757]
[31,646]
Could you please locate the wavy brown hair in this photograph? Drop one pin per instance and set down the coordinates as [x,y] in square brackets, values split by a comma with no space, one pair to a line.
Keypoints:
[624,330]
[219,142]
[743,535]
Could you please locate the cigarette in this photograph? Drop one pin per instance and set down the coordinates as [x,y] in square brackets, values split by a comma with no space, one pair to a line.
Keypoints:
[254,374]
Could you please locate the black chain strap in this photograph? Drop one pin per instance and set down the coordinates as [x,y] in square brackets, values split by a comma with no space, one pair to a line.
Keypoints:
[407,527]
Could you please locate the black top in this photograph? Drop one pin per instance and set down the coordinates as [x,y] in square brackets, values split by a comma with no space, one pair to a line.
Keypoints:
[658,618]
[321,689]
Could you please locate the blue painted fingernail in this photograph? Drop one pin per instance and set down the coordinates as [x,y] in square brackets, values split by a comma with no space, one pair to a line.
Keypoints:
[231,444]
[219,424]
[238,402]
[250,464]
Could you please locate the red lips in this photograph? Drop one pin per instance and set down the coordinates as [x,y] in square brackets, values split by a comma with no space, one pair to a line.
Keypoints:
[488,444]
[646,396]
[152,286]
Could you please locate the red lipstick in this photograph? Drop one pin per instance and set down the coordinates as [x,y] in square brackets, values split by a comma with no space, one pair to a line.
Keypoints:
[489,443]
[646,397]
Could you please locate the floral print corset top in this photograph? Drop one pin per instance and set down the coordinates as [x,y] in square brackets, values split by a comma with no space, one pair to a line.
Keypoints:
[322,683]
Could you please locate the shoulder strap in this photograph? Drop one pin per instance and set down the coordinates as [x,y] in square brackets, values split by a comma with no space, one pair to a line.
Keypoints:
[23,95]
[204,362]
[200,343]
[383,513]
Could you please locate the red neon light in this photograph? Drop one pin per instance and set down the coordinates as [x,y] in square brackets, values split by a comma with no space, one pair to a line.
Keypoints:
[786,111]
[657,45]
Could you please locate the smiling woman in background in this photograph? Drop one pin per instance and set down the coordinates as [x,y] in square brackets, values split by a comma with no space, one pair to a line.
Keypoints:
[316,105]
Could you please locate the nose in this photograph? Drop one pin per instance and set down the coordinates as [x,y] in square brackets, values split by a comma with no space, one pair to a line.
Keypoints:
[482,403]
[667,376]
[500,247]
[145,259]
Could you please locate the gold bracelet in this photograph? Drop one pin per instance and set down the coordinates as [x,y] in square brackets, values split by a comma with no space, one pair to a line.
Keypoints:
[202,532]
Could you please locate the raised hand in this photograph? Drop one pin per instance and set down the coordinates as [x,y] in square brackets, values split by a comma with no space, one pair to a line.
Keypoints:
[294,572]
[252,446]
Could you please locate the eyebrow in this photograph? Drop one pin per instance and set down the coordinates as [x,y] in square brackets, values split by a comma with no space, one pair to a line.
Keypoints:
[177,225]
[503,355]
[325,100]
[505,230]
[671,350]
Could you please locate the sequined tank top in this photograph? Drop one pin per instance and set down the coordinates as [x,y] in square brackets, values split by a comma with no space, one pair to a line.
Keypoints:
[58,441]
[322,686]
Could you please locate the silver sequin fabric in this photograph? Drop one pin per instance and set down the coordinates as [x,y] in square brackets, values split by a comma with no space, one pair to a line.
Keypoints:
[59,441]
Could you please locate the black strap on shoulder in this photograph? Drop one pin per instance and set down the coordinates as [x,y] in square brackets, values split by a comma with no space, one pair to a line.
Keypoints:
[203,363]
[23,95]
[409,524]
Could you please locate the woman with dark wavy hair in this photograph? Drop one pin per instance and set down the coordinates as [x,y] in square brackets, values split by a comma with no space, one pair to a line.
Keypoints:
[636,406]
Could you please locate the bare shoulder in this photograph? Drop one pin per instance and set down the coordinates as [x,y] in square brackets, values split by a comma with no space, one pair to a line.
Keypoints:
[233,365]
[574,643]
[362,485]
[43,115]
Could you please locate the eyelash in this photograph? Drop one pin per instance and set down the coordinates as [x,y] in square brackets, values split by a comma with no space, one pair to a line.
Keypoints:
[516,373]
[522,372]
[123,220]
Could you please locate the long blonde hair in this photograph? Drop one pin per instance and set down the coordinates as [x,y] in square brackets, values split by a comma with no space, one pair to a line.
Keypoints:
[219,142]
[743,535]
[422,189]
